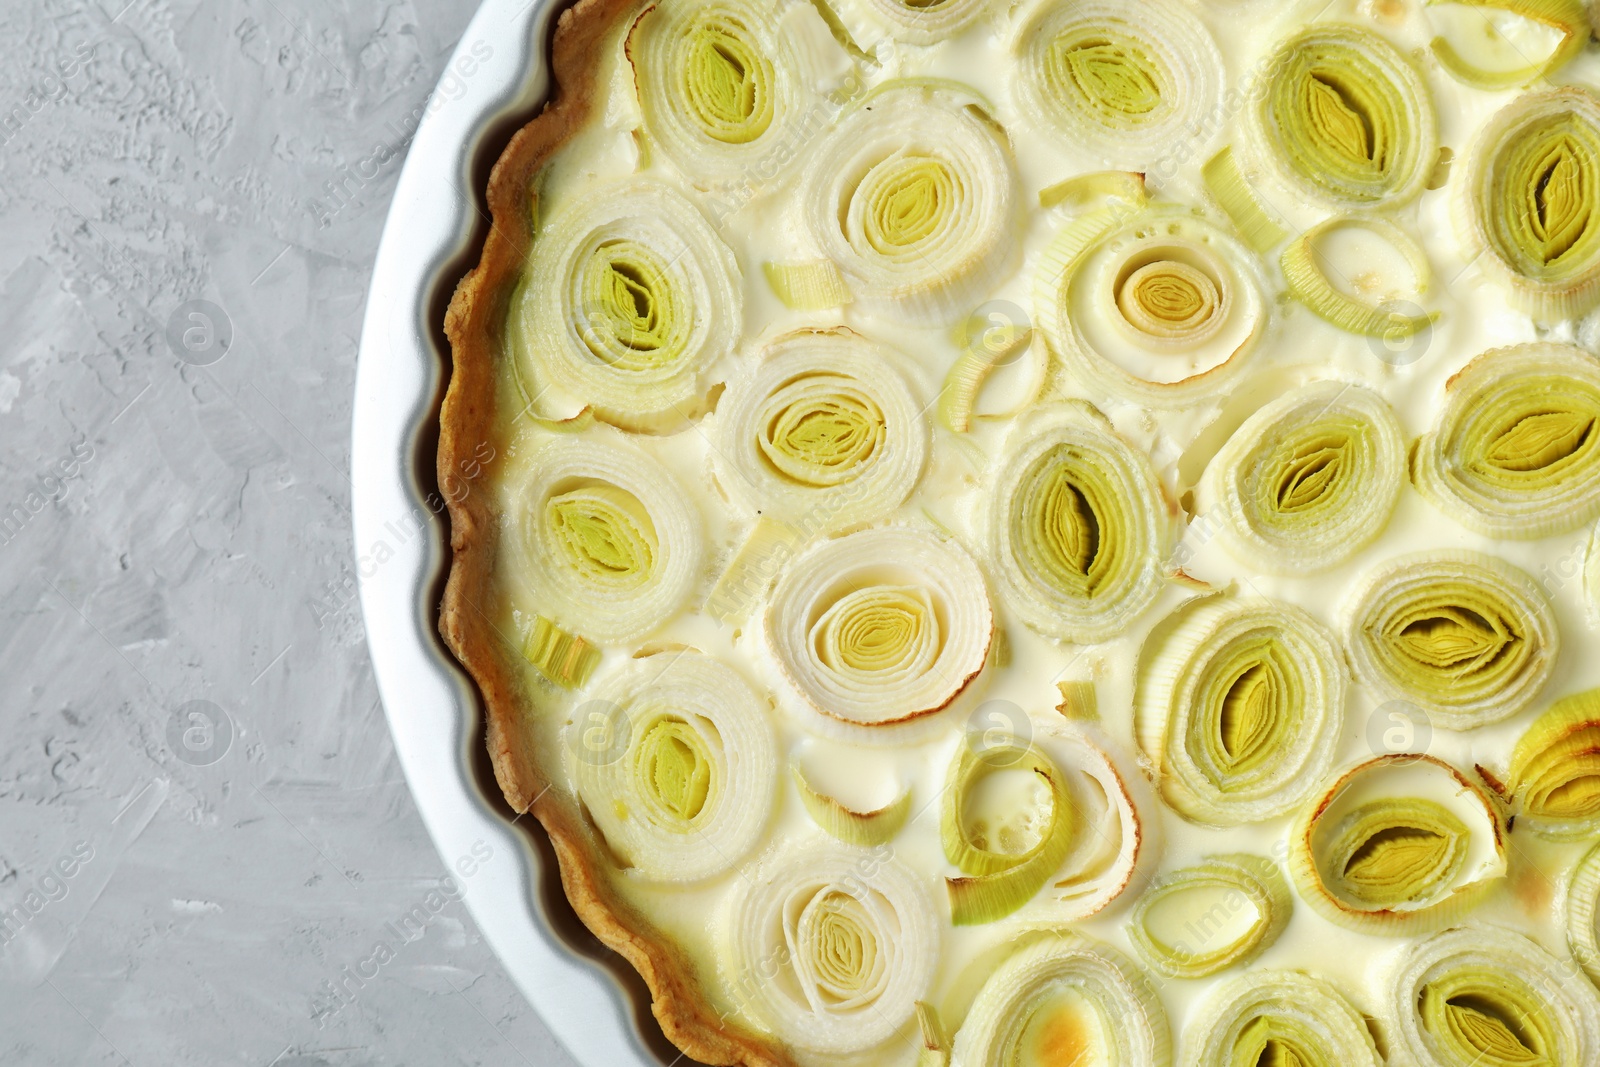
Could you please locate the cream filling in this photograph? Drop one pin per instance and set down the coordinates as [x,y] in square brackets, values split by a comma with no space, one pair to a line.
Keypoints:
[760,222]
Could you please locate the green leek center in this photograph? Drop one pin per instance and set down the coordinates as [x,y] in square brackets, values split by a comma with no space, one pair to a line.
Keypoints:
[632,312]
[727,84]
[820,430]
[675,769]
[604,533]
[910,200]
[1110,75]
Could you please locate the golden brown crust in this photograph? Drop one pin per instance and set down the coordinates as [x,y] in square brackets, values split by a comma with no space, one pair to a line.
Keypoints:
[475,325]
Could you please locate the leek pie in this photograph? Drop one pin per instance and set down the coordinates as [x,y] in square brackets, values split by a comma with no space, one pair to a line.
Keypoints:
[1035,532]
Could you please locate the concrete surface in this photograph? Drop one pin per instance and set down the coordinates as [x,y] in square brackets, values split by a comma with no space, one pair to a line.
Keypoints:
[202,824]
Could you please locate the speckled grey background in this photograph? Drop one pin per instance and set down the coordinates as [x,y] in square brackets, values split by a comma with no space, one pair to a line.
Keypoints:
[202,823]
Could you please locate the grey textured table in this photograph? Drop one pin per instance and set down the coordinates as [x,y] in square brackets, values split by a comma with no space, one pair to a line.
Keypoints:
[207,852]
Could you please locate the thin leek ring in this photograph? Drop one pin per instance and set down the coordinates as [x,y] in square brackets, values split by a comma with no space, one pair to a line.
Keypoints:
[1264,674]
[1468,638]
[1530,198]
[1309,283]
[1337,868]
[691,789]
[1124,81]
[914,196]
[1466,994]
[1083,562]
[1310,479]
[630,301]
[1516,453]
[1280,1017]
[1249,881]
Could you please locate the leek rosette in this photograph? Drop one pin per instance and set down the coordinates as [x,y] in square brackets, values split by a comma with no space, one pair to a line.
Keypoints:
[612,543]
[823,432]
[1200,920]
[1310,479]
[1583,914]
[1238,707]
[1555,770]
[1397,845]
[914,197]
[1466,637]
[630,300]
[1279,1019]
[691,789]
[720,87]
[1528,199]
[1078,526]
[1122,81]
[1161,308]
[918,21]
[1061,997]
[1516,453]
[1345,119]
[832,946]
[1484,996]
[881,626]
[1494,55]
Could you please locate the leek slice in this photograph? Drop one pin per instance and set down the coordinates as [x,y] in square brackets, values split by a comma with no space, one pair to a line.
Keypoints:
[1238,706]
[630,301]
[861,828]
[1310,479]
[1211,939]
[684,787]
[1261,229]
[880,627]
[1159,307]
[1109,833]
[566,659]
[1516,453]
[1397,845]
[1078,526]
[611,544]
[1583,913]
[1358,312]
[1061,997]
[914,196]
[822,432]
[1566,19]
[832,946]
[1122,81]
[1279,1019]
[1529,199]
[1555,770]
[813,286]
[1468,638]
[1486,996]
[918,21]
[1345,119]
[721,87]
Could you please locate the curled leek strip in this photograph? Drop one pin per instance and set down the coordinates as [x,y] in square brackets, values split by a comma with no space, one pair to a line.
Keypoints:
[914,197]
[1487,996]
[1238,706]
[880,627]
[1468,638]
[1345,119]
[612,545]
[1492,60]
[823,432]
[630,300]
[1005,858]
[1206,899]
[1124,81]
[863,828]
[1399,844]
[1583,914]
[1555,770]
[1531,199]
[719,85]
[1160,307]
[682,784]
[1078,526]
[1279,1019]
[919,21]
[1516,453]
[1109,834]
[1310,479]
[1357,305]
[833,946]
[1060,997]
